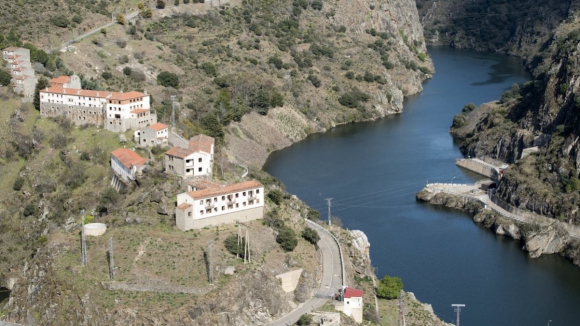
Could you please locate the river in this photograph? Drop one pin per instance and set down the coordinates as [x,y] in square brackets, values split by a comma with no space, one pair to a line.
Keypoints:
[372,171]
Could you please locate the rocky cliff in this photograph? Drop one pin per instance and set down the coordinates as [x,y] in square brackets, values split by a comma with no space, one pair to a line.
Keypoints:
[540,117]
[523,28]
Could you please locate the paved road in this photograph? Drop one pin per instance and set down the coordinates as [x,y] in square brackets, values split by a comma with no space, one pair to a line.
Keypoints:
[98,30]
[331,279]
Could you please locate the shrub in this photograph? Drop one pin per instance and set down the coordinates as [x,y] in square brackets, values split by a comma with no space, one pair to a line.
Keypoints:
[4,77]
[168,79]
[85,156]
[121,19]
[209,68]
[287,239]
[138,75]
[231,244]
[313,214]
[29,209]
[59,21]
[18,183]
[353,98]
[314,80]
[276,196]
[160,4]
[106,75]
[277,62]
[127,71]
[109,197]
[310,235]
[123,59]
[122,43]
[77,19]
[389,287]
[316,5]
[305,320]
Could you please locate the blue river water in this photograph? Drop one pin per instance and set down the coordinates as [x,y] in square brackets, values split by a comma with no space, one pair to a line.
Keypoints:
[372,171]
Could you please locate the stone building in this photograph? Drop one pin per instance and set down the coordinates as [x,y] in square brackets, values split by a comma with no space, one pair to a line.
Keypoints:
[23,78]
[216,204]
[126,164]
[194,161]
[116,111]
[73,81]
[156,134]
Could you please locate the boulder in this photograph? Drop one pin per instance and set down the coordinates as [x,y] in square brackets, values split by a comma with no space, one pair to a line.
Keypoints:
[156,197]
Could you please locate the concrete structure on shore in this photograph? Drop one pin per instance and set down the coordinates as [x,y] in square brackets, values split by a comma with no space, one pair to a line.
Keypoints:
[217,205]
[481,167]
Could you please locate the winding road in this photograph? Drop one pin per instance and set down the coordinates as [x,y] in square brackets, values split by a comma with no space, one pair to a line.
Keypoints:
[331,279]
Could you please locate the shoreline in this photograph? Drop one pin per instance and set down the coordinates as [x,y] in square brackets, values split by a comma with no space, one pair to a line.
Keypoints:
[538,237]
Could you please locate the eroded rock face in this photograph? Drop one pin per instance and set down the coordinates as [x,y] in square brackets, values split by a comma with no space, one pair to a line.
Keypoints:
[549,240]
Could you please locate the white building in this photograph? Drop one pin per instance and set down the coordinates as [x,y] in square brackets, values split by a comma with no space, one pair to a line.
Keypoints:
[126,164]
[156,134]
[194,161]
[353,303]
[215,205]
[117,111]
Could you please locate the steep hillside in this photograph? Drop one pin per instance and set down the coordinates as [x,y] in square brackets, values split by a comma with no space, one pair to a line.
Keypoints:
[544,112]
[521,27]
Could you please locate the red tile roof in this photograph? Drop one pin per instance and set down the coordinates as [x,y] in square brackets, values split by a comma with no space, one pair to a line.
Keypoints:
[139,110]
[221,190]
[58,89]
[179,152]
[203,184]
[201,143]
[59,80]
[352,293]
[128,157]
[158,126]
[184,206]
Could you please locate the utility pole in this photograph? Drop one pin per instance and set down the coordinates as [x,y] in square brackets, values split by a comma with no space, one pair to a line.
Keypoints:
[111,261]
[328,200]
[402,321]
[210,268]
[246,241]
[172,112]
[457,309]
[83,243]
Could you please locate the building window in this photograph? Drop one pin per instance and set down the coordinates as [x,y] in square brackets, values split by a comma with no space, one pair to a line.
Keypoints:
[201,202]
[201,212]
[244,203]
[199,160]
[237,195]
[199,170]
[244,193]
[237,205]
[257,201]
[223,197]
[251,202]
[215,209]
[208,210]
[188,213]
[257,191]
[223,208]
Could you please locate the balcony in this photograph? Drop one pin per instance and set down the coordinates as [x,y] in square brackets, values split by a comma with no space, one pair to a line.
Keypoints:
[252,197]
[231,201]
[209,205]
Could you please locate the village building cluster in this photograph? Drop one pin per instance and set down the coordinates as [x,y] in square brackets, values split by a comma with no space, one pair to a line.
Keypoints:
[18,64]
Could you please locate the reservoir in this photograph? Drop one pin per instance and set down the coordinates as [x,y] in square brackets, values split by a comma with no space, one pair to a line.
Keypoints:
[372,171]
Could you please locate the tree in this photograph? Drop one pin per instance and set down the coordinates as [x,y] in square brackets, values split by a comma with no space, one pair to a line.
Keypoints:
[4,77]
[60,21]
[41,84]
[287,239]
[231,244]
[305,320]
[18,183]
[213,126]
[146,13]
[168,79]
[160,4]
[29,209]
[39,56]
[127,71]
[121,19]
[276,196]
[389,287]
[310,235]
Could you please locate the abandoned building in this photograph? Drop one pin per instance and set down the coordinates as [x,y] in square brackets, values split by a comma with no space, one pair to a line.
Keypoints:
[194,161]
[23,79]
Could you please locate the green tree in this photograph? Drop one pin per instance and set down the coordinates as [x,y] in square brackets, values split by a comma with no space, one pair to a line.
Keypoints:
[276,196]
[41,84]
[305,320]
[59,21]
[287,239]
[18,183]
[261,101]
[176,2]
[127,71]
[389,287]
[212,125]
[310,235]
[168,79]
[39,56]
[4,77]
[29,209]
[160,4]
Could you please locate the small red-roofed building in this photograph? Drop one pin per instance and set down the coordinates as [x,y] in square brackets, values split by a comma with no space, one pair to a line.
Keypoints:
[73,81]
[156,134]
[353,303]
[216,205]
[116,111]
[194,161]
[126,164]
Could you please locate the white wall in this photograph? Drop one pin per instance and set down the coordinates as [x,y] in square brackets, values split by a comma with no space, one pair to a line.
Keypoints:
[126,174]
[219,204]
